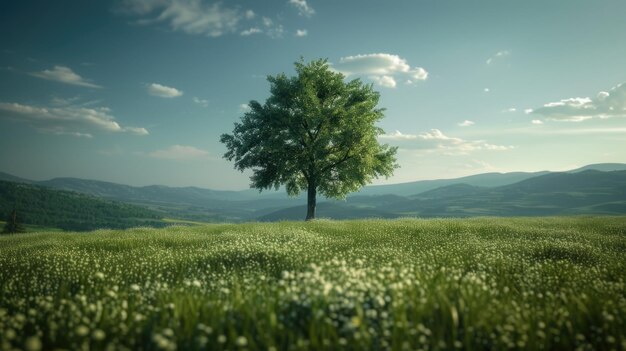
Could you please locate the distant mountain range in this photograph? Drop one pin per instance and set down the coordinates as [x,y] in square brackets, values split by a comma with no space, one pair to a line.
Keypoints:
[585,192]
[593,189]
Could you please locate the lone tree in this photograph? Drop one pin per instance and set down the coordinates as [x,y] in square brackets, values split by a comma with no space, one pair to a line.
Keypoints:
[13,224]
[315,133]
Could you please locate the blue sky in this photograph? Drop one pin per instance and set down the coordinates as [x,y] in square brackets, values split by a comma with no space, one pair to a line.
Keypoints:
[138,91]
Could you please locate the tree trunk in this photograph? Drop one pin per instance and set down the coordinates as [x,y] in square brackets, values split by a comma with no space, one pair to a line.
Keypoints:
[311,200]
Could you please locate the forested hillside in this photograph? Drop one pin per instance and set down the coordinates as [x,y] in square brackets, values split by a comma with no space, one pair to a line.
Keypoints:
[69,210]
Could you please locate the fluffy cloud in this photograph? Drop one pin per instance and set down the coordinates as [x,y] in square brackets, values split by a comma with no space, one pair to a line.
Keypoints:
[199,17]
[135,130]
[498,55]
[76,134]
[435,140]
[73,120]
[452,145]
[244,108]
[180,152]
[64,75]
[301,33]
[250,31]
[384,81]
[303,8]
[189,16]
[397,135]
[163,91]
[466,123]
[382,68]
[603,105]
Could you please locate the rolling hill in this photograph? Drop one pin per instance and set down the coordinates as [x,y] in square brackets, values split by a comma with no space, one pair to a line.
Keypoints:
[515,193]
[603,167]
[584,192]
[69,210]
[485,180]
[11,178]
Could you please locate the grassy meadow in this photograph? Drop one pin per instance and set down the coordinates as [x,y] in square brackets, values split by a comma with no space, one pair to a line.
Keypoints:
[441,284]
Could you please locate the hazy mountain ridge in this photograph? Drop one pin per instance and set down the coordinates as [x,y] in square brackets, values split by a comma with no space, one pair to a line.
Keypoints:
[160,193]
[11,178]
[420,186]
[155,193]
[582,190]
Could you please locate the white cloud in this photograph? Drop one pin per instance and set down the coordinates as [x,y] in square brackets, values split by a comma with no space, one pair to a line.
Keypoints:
[603,105]
[303,8]
[135,130]
[250,31]
[436,134]
[384,81]
[571,102]
[452,145]
[73,120]
[64,75]
[201,102]
[466,123]
[374,64]
[301,33]
[244,108]
[381,68]
[199,17]
[74,134]
[180,152]
[603,95]
[498,55]
[397,135]
[510,109]
[528,111]
[163,91]
[486,90]
[437,141]
[189,16]
[536,121]
[418,73]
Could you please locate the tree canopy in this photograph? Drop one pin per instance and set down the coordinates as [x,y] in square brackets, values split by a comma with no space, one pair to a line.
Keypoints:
[315,133]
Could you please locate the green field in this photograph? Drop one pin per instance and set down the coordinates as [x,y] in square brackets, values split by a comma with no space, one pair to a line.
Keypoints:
[470,284]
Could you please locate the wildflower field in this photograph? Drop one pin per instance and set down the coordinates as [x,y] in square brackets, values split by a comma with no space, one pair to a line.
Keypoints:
[444,284]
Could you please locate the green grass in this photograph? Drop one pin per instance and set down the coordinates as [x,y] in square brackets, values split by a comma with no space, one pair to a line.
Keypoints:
[176,221]
[471,284]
